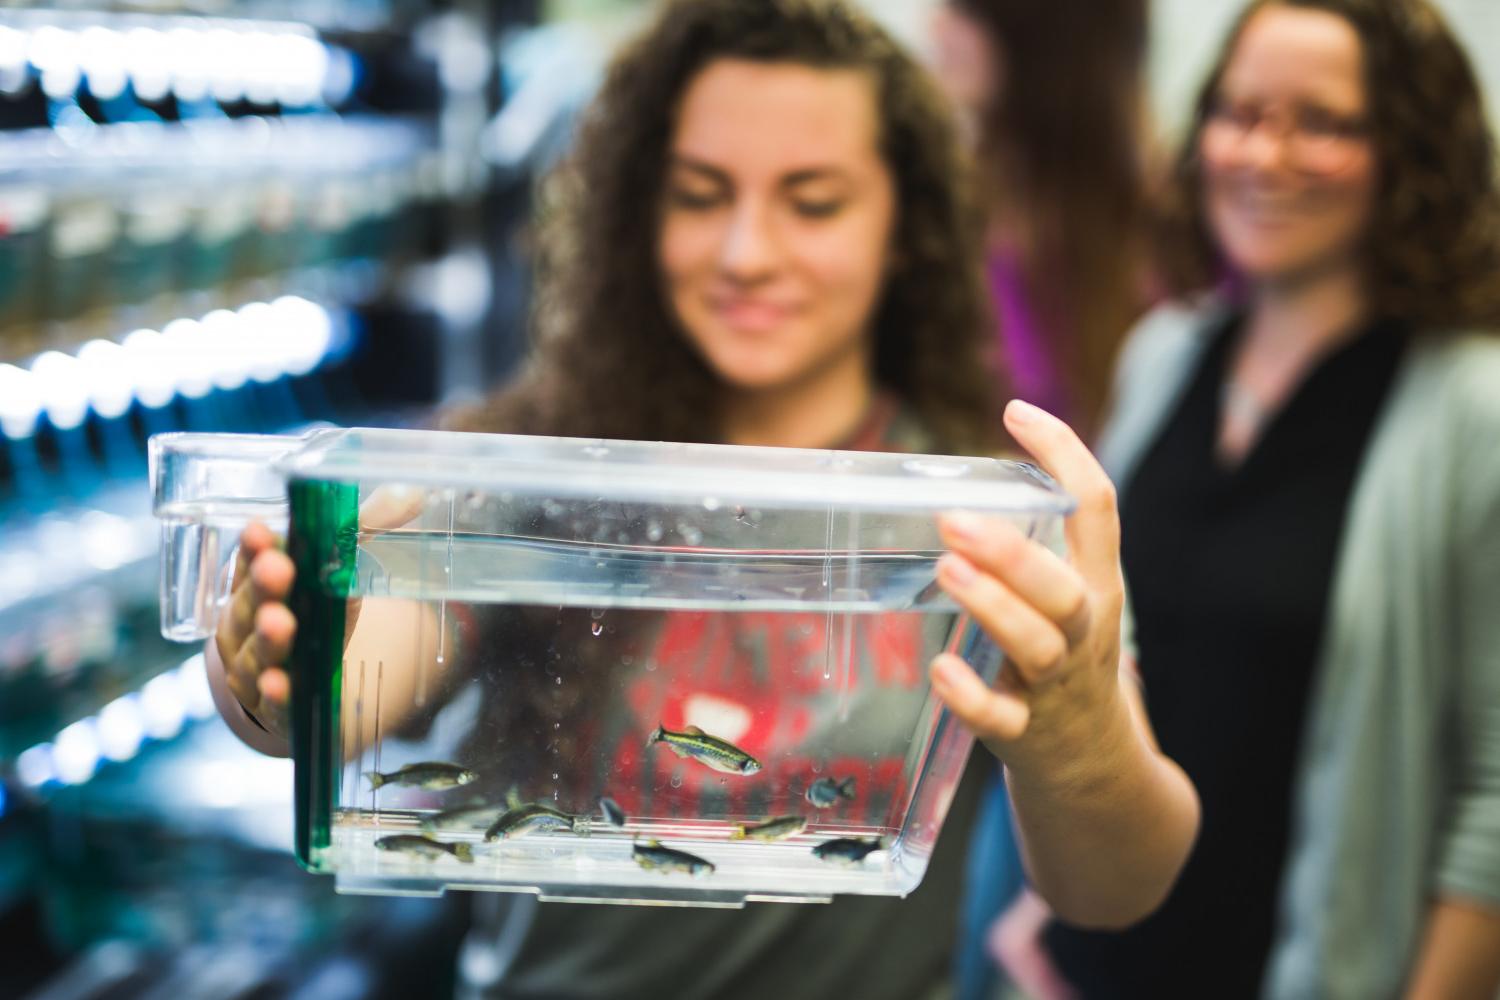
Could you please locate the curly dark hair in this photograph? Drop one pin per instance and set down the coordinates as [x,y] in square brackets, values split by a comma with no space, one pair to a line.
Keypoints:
[1432,254]
[609,357]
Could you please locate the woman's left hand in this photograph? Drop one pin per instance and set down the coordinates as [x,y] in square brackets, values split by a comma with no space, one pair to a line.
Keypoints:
[1057,619]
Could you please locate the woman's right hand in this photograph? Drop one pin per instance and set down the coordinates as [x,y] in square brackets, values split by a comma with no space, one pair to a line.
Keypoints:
[256,629]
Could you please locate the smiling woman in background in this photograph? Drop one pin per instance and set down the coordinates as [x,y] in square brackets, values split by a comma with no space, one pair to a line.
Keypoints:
[1310,485]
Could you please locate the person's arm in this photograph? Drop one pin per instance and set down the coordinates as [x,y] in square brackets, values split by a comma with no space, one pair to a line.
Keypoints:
[1106,821]
[1460,954]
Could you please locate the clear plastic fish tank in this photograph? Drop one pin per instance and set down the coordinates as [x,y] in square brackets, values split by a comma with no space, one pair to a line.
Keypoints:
[498,633]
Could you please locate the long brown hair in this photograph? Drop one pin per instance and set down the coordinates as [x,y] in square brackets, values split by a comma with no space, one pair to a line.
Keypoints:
[1432,253]
[1061,143]
[610,359]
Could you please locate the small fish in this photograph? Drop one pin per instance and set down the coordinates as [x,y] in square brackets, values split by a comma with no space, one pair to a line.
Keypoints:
[848,850]
[613,814]
[825,791]
[476,815]
[425,847]
[721,755]
[521,820]
[431,775]
[771,829]
[654,857]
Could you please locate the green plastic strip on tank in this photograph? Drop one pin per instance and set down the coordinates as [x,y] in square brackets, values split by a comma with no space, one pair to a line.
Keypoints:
[322,544]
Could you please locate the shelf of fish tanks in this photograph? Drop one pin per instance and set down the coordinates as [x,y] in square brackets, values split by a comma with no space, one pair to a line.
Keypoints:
[602,670]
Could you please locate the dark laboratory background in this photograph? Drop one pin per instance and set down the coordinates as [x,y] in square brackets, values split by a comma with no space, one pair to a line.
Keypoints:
[234,215]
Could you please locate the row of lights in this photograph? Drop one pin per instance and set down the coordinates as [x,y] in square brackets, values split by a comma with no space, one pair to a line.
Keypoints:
[260,341]
[158,711]
[226,61]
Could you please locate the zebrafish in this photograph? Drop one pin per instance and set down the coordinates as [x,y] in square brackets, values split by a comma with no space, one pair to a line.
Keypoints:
[521,820]
[613,814]
[771,829]
[721,755]
[425,847]
[430,774]
[825,791]
[654,857]
[477,815]
[848,850]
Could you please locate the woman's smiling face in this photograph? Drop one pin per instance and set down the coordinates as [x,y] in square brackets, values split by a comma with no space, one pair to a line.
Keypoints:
[1289,173]
[777,219]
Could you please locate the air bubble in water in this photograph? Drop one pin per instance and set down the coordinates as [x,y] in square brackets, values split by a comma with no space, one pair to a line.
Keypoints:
[653,531]
[710,503]
[557,725]
[559,680]
[554,775]
[596,628]
[676,779]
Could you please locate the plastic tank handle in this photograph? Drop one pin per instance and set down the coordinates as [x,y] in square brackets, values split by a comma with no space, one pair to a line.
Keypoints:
[205,489]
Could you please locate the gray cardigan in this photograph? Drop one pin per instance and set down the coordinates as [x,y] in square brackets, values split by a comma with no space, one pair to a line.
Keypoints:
[1397,790]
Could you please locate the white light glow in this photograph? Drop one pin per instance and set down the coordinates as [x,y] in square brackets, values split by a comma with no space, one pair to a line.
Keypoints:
[122,728]
[308,330]
[224,346]
[60,381]
[106,376]
[185,350]
[191,62]
[20,402]
[305,67]
[227,60]
[261,68]
[147,55]
[256,326]
[192,678]
[35,766]
[76,753]
[102,57]
[13,46]
[149,370]
[162,707]
[109,541]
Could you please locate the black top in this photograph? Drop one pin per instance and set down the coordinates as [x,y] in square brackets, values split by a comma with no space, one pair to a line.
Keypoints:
[1229,572]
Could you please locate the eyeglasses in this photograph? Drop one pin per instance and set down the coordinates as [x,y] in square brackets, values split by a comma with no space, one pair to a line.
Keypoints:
[1313,140]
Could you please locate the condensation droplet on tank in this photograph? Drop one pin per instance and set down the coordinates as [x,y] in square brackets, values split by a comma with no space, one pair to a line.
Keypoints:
[710,503]
[817,767]
[653,531]
[559,680]
[554,775]
[690,534]
[676,779]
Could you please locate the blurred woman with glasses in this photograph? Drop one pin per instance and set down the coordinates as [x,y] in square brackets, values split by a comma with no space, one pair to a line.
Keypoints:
[1308,449]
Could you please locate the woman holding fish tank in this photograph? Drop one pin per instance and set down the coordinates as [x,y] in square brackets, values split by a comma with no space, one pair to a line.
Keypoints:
[764,238]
